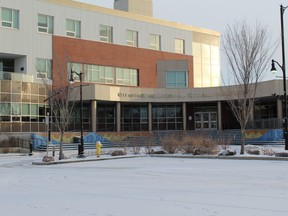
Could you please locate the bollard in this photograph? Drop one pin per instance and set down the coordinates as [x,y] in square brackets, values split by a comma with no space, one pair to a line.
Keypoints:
[53,151]
[31,148]
[98,148]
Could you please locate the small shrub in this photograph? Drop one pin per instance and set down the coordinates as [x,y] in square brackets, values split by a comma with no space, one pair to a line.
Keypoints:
[198,144]
[5,150]
[188,144]
[136,149]
[170,144]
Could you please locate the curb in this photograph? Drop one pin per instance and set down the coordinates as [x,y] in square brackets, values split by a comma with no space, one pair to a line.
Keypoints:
[80,160]
[223,157]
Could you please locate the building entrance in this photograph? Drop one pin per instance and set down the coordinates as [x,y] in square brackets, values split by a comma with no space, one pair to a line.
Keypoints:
[205,120]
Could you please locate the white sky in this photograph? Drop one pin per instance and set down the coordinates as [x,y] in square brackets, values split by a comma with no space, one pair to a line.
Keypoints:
[216,15]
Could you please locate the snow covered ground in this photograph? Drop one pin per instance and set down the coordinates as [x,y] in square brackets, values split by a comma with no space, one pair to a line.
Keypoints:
[144,186]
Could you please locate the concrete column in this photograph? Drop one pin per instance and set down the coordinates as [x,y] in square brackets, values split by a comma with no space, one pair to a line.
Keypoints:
[118,117]
[279,109]
[94,115]
[184,115]
[219,117]
[150,117]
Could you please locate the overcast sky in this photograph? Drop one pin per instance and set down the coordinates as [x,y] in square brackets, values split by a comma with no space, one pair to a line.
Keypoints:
[217,14]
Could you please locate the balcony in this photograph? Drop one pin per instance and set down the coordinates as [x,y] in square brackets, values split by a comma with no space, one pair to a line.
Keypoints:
[16,76]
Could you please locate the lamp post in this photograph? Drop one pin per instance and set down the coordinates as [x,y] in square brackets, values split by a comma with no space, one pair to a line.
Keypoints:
[283,68]
[81,146]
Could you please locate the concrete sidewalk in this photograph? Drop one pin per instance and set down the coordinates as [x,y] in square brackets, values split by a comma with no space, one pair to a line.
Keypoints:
[87,159]
[237,157]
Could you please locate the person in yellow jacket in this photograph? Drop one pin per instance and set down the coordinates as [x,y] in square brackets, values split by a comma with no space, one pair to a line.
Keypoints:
[98,148]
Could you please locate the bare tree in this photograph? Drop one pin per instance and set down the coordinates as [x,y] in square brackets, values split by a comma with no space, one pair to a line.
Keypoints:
[248,51]
[61,107]
[60,99]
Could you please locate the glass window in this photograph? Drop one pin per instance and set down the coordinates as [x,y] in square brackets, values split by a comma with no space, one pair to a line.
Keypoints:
[5,109]
[25,109]
[134,117]
[10,18]
[105,74]
[43,67]
[176,79]
[126,76]
[34,109]
[73,28]
[106,117]
[155,42]
[179,46]
[167,117]
[45,24]
[16,108]
[106,33]
[132,38]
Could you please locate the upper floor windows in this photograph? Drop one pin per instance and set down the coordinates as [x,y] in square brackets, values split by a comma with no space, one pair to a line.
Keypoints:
[10,18]
[73,28]
[179,46]
[106,33]
[45,24]
[155,42]
[131,38]
[106,74]
[43,67]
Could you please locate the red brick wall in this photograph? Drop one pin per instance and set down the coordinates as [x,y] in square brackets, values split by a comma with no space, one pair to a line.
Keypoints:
[91,52]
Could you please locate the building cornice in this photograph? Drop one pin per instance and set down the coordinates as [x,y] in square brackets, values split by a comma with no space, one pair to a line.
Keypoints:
[138,17]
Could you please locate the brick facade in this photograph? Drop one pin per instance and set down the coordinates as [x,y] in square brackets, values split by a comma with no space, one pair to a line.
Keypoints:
[91,52]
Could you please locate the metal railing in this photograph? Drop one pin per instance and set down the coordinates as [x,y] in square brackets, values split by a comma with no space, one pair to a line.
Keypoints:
[271,123]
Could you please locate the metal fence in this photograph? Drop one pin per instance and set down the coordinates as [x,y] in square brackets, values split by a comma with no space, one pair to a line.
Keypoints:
[272,123]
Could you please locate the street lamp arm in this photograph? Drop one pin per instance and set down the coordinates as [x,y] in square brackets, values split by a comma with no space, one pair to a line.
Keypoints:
[283,8]
[273,65]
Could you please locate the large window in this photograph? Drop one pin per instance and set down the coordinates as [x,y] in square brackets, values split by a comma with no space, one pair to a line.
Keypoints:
[45,24]
[134,117]
[167,117]
[10,18]
[155,42]
[106,33]
[125,76]
[73,28]
[43,67]
[132,38]
[179,46]
[106,117]
[176,79]
[106,74]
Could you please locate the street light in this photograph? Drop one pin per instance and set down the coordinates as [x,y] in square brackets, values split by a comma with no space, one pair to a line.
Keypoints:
[273,70]
[81,146]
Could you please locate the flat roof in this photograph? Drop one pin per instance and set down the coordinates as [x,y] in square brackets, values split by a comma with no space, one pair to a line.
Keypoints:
[133,16]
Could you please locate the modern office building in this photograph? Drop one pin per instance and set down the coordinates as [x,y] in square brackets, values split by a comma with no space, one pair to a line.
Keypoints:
[142,73]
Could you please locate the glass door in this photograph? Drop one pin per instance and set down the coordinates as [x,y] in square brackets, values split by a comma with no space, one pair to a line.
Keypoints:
[205,120]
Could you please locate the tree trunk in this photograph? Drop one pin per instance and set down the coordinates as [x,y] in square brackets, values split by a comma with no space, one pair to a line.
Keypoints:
[242,141]
[61,155]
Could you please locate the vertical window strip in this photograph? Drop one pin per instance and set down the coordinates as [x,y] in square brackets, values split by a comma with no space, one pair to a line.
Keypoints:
[43,67]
